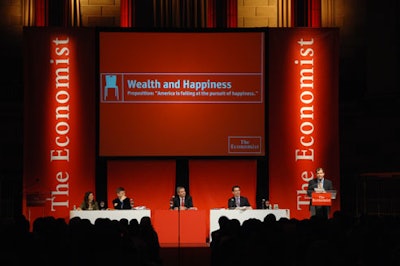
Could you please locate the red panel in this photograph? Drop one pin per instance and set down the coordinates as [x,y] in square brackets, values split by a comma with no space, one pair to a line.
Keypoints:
[211,182]
[184,227]
[166,225]
[150,183]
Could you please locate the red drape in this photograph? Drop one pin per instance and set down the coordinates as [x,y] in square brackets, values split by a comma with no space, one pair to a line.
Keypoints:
[314,13]
[211,14]
[306,13]
[232,13]
[126,13]
[222,13]
[41,16]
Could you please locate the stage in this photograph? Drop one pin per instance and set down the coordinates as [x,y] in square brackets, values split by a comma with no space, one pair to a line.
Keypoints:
[185,255]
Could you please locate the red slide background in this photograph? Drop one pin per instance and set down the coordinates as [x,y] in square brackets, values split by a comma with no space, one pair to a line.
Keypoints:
[183,128]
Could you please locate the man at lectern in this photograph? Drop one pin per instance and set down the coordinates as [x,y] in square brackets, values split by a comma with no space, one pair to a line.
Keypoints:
[319,184]
[237,201]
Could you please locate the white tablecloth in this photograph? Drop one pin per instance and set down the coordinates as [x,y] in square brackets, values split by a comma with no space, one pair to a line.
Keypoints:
[243,215]
[111,214]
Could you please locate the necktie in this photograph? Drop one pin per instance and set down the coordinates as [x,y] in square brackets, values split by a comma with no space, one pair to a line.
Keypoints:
[237,202]
[182,202]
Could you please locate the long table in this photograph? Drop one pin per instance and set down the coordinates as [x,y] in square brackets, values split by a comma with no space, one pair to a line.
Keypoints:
[111,214]
[186,227]
[244,214]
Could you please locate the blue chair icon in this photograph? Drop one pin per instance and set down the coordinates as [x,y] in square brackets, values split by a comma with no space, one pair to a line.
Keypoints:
[111,83]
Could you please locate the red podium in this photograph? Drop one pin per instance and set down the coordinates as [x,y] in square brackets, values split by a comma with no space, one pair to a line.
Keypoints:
[180,227]
[321,199]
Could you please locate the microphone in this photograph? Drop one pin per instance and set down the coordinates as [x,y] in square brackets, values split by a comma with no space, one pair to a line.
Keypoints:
[131,202]
[232,203]
[171,202]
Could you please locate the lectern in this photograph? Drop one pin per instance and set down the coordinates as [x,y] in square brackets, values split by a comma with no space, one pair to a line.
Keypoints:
[322,200]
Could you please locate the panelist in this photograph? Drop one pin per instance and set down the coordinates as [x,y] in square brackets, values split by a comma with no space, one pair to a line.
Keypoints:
[122,202]
[182,201]
[238,201]
[89,203]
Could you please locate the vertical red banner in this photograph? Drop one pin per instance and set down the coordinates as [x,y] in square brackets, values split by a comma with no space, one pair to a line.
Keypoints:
[303,114]
[59,115]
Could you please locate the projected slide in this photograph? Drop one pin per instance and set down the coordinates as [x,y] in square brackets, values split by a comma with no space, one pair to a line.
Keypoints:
[181,94]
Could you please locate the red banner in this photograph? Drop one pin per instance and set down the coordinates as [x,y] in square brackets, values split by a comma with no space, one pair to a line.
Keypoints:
[59,140]
[303,114]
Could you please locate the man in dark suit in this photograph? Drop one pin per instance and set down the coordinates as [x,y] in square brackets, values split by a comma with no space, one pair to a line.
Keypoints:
[237,200]
[122,202]
[319,183]
[183,201]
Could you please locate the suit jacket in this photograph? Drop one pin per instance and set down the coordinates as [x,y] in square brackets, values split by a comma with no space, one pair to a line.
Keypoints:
[314,184]
[188,201]
[124,205]
[244,202]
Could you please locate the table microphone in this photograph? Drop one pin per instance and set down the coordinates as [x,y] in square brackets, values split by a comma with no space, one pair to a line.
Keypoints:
[232,203]
[171,202]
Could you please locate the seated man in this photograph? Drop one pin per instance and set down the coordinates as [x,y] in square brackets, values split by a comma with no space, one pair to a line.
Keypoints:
[122,202]
[183,201]
[237,201]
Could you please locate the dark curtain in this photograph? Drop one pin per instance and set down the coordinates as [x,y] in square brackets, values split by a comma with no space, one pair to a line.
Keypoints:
[41,12]
[222,13]
[306,13]
[179,13]
[58,13]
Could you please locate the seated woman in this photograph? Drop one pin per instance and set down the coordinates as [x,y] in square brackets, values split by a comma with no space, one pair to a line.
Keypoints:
[89,203]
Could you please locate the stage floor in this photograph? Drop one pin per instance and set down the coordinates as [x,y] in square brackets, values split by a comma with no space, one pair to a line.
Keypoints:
[186,255]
